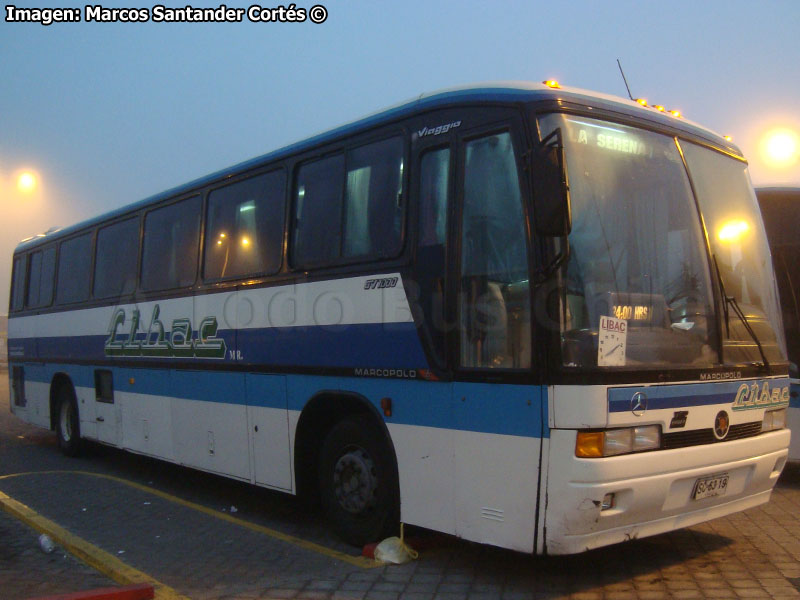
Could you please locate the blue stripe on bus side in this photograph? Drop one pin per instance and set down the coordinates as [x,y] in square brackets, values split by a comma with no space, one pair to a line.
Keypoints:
[517,410]
[389,345]
[384,345]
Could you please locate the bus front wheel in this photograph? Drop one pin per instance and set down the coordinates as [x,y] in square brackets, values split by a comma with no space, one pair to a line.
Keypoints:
[358,482]
[68,425]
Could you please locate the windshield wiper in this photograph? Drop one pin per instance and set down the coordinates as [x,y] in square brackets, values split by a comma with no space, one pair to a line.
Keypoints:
[733,303]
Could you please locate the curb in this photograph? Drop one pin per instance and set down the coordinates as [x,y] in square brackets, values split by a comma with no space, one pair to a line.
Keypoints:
[142,591]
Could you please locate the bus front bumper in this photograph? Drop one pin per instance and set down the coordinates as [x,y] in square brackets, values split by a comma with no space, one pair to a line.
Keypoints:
[597,502]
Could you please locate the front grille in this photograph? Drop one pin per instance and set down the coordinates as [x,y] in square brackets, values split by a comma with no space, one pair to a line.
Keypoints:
[698,437]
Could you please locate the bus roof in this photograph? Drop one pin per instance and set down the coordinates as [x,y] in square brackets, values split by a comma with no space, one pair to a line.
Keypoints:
[500,92]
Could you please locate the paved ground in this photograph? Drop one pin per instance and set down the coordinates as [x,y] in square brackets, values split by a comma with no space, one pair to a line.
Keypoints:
[178,527]
[26,571]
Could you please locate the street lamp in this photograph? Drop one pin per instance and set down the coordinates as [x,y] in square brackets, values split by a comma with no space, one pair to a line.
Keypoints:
[781,147]
[26,182]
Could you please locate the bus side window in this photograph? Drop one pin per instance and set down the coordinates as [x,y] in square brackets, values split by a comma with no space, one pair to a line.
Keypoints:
[74,274]
[41,266]
[171,236]
[115,261]
[48,275]
[367,221]
[318,209]
[18,283]
[494,304]
[35,269]
[244,231]
[431,258]
[373,202]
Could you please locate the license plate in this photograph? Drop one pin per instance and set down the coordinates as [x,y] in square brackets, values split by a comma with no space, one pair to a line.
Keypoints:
[708,487]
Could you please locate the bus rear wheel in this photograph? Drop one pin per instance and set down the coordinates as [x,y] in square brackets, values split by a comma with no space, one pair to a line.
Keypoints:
[358,482]
[68,425]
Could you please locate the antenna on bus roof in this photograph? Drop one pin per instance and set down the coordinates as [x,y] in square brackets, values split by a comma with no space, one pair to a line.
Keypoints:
[624,79]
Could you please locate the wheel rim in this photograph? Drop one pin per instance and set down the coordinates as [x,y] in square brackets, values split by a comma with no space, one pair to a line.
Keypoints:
[65,420]
[355,481]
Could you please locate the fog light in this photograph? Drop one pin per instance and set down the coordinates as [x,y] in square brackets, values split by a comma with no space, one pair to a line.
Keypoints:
[608,502]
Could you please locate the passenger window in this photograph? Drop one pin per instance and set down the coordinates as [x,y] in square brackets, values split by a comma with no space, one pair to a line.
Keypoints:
[318,211]
[74,270]
[431,261]
[115,259]
[35,269]
[373,204]
[47,278]
[171,236]
[365,221]
[494,301]
[40,282]
[433,197]
[18,283]
[244,234]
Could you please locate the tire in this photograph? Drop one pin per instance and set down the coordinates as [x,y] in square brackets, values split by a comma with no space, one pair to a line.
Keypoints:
[68,427]
[358,482]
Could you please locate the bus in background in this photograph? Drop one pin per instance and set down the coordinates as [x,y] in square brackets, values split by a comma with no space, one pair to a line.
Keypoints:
[3,344]
[780,209]
[525,315]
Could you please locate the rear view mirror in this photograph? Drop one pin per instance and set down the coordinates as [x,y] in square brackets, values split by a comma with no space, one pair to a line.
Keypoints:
[553,214]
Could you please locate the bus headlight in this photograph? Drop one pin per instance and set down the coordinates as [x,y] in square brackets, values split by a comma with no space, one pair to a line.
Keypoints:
[612,442]
[774,419]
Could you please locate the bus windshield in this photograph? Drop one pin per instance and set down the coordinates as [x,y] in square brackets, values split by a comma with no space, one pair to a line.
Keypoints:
[741,255]
[638,283]
[636,252]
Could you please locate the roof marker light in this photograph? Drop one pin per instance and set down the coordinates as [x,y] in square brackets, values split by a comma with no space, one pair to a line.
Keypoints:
[728,138]
[659,108]
[552,83]
[676,113]
[642,101]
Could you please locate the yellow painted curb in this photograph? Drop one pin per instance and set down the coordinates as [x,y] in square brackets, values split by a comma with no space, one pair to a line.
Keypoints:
[358,561]
[90,554]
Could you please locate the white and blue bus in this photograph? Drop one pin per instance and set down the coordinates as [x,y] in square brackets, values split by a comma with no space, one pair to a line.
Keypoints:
[780,209]
[528,316]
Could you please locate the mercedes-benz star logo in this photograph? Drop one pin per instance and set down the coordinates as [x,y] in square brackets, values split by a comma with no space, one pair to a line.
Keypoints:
[639,404]
[722,424]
